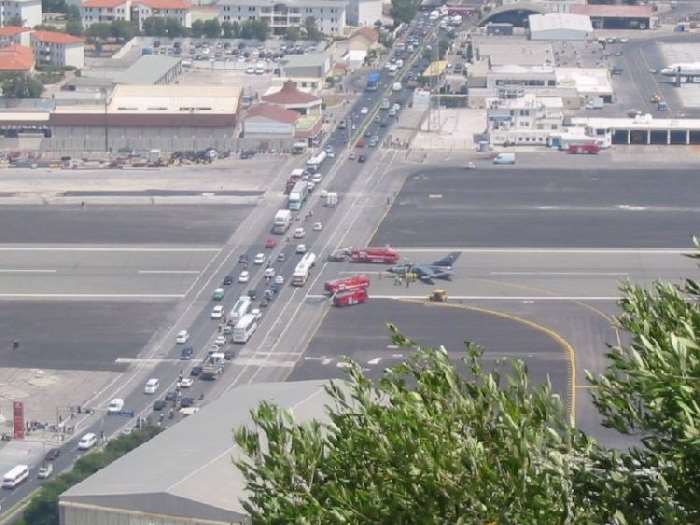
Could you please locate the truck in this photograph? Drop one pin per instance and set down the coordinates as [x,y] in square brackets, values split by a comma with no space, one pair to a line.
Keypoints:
[349,283]
[295,176]
[314,163]
[244,329]
[213,367]
[302,269]
[282,221]
[386,104]
[386,255]
[330,199]
[350,297]
[589,149]
[298,195]
[373,81]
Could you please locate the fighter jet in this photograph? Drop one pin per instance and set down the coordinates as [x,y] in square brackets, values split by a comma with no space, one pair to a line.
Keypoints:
[440,269]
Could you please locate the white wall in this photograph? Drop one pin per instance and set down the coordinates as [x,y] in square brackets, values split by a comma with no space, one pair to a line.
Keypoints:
[369,11]
[75,55]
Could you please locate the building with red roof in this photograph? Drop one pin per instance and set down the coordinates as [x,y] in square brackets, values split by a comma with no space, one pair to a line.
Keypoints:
[104,11]
[292,98]
[28,11]
[16,59]
[181,10]
[14,35]
[58,49]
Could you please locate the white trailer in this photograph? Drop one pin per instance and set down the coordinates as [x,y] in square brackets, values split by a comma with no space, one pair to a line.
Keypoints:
[282,221]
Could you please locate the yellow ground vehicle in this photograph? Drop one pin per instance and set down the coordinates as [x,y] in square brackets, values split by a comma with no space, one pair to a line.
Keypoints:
[438,296]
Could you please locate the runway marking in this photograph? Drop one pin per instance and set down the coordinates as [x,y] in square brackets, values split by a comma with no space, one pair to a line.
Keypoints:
[592,251]
[89,296]
[99,249]
[154,361]
[168,272]
[263,363]
[28,270]
[562,274]
[532,298]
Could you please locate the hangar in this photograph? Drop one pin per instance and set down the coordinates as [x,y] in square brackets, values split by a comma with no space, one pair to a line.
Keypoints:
[560,26]
[643,130]
[618,16]
[514,14]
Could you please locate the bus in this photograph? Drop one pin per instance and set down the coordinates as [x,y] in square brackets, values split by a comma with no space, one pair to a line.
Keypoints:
[373,81]
[244,329]
[240,309]
[14,477]
[301,272]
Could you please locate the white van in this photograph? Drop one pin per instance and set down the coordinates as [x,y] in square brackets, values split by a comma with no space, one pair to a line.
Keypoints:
[151,386]
[239,309]
[88,441]
[396,86]
[15,476]
[504,158]
[244,329]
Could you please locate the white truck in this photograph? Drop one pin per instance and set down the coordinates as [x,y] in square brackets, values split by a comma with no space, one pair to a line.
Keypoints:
[244,329]
[314,163]
[282,221]
[298,195]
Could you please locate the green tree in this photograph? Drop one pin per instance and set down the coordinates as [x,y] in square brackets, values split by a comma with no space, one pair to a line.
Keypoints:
[73,12]
[99,32]
[470,52]
[20,85]
[173,28]
[54,6]
[123,30]
[74,27]
[15,21]
[155,26]
[293,33]
[212,28]
[255,30]
[443,47]
[197,29]
[312,30]
[231,29]
[403,11]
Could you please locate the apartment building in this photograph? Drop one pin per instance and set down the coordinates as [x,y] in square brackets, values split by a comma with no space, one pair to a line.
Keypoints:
[58,49]
[106,11]
[10,35]
[330,15]
[28,11]
[177,9]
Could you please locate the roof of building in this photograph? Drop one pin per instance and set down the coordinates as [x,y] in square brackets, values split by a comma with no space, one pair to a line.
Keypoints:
[54,37]
[516,51]
[512,69]
[272,112]
[289,3]
[165,4]
[307,60]
[613,11]
[554,21]
[591,81]
[290,95]
[175,99]
[16,58]
[187,470]
[148,69]
[435,68]
[102,3]
[528,100]
[640,122]
[13,30]
[368,33]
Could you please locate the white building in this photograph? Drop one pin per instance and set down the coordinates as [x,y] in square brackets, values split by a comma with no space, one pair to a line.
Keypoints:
[364,12]
[527,120]
[560,26]
[58,49]
[181,10]
[330,15]
[107,11]
[28,11]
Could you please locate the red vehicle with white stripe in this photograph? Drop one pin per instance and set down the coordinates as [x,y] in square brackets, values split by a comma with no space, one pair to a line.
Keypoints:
[374,255]
[350,297]
[349,283]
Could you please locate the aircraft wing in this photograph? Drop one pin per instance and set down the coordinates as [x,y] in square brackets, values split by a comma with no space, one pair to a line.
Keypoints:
[447,261]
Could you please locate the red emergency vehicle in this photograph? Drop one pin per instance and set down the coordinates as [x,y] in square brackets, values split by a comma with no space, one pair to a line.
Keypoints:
[349,283]
[590,149]
[374,255]
[350,297]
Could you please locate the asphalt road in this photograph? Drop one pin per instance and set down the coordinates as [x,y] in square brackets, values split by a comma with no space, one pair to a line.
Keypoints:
[506,207]
[361,334]
[168,224]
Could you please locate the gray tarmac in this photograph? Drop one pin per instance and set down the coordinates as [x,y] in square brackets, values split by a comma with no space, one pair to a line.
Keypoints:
[510,207]
[361,333]
[116,224]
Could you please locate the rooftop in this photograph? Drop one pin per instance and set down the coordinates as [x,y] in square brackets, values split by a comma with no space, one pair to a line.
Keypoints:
[289,3]
[53,37]
[165,4]
[641,122]
[568,21]
[148,69]
[102,3]
[368,33]
[515,51]
[16,58]
[595,81]
[290,94]
[308,60]
[529,100]
[174,99]
[272,112]
[187,470]
[13,30]
[613,11]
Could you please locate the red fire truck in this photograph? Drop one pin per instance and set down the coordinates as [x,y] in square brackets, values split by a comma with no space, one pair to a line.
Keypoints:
[590,149]
[349,283]
[350,297]
[374,255]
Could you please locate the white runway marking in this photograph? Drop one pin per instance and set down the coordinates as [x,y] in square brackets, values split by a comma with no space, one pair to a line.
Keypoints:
[169,272]
[27,270]
[100,249]
[562,274]
[88,296]
[533,298]
[555,251]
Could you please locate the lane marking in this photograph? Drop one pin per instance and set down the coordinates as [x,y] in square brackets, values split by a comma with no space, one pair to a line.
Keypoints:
[153,361]
[592,251]
[169,272]
[28,270]
[488,297]
[99,249]
[90,296]
[563,274]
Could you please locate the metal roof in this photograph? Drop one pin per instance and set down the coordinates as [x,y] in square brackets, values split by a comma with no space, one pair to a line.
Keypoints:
[187,470]
[148,69]
[307,60]
[558,21]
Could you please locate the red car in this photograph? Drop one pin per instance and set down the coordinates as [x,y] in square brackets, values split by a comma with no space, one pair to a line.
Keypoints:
[270,243]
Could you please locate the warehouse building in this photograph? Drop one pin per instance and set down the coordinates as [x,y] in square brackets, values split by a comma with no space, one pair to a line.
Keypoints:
[308,71]
[560,26]
[618,16]
[185,475]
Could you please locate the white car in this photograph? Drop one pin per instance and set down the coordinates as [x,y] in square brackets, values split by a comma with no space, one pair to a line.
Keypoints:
[45,471]
[279,279]
[115,406]
[259,258]
[364,110]
[301,248]
[220,341]
[182,337]
[270,272]
[217,312]
[256,313]
[316,178]
[318,226]
[299,233]
[185,382]
[88,441]
[151,386]
[244,277]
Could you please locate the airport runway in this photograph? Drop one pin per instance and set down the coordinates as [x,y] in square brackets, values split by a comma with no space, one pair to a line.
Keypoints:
[510,207]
